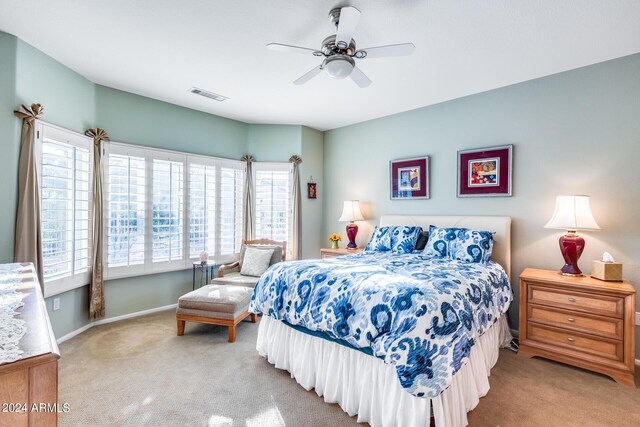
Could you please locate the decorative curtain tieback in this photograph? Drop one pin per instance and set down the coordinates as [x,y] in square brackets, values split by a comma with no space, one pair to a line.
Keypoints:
[97,134]
[247,158]
[295,159]
[29,114]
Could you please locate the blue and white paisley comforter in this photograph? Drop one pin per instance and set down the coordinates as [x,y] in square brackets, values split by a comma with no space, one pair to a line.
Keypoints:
[420,314]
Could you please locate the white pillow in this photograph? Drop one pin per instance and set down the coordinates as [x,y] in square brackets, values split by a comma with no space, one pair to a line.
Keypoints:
[256,261]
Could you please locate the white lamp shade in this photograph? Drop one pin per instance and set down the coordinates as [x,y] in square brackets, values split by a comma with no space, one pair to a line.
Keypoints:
[572,213]
[351,211]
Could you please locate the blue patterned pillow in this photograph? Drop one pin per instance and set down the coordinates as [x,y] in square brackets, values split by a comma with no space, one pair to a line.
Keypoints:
[380,240]
[404,238]
[459,243]
[439,242]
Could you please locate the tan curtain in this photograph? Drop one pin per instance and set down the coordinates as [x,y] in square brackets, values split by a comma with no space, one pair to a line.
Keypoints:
[28,244]
[296,215]
[248,227]
[96,287]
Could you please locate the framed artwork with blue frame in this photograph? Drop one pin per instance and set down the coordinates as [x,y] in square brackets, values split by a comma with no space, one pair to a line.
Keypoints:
[409,178]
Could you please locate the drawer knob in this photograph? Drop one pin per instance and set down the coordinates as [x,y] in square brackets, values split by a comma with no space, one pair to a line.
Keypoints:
[571,319]
[570,339]
[571,299]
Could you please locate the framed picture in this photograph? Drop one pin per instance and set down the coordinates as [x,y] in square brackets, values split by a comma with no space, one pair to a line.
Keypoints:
[485,171]
[409,178]
[311,190]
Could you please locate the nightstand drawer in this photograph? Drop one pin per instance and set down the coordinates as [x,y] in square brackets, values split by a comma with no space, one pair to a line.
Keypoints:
[330,255]
[598,325]
[590,303]
[602,347]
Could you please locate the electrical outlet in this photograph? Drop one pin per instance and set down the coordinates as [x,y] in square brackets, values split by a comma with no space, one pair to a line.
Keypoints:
[56,304]
[638,318]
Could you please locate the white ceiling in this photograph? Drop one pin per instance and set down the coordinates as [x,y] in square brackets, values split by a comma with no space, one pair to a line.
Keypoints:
[161,48]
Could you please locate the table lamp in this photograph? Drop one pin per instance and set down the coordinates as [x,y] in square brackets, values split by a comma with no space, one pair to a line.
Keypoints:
[572,214]
[351,212]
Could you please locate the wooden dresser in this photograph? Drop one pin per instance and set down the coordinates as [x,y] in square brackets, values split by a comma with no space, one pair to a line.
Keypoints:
[332,253]
[29,385]
[580,321]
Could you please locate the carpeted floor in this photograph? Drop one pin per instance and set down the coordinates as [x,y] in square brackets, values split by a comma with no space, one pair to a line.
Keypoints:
[138,372]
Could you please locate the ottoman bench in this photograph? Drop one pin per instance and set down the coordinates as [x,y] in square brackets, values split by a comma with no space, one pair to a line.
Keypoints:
[225,305]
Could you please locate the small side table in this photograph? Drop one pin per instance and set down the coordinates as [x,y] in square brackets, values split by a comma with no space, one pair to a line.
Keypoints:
[332,253]
[206,272]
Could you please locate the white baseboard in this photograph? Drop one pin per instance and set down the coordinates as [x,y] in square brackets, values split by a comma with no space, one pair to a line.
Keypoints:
[74,333]
[113,319]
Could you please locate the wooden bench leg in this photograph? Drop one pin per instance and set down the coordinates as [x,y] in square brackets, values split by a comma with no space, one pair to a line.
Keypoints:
[180,327]
[254,318]
[232,333]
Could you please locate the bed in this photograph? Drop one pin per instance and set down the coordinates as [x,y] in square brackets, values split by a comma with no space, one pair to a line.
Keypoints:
[395,339]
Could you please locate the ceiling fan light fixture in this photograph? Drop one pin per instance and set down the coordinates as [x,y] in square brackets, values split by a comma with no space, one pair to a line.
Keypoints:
[338,66]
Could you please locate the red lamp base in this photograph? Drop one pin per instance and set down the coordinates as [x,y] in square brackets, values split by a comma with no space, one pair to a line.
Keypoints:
[352,231]
[571,246]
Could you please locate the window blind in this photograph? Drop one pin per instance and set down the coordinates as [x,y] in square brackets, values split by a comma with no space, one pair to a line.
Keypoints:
[168,206]
[126,193]
[272,201]
[231,200]
[66,162]
[202,209]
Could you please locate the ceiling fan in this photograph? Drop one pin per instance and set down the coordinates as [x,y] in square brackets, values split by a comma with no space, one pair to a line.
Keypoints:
[339,50]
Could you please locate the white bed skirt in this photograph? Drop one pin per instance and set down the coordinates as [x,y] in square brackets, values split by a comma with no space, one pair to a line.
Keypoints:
[366,386]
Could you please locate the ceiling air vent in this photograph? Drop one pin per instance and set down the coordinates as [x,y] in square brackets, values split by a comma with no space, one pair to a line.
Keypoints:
[207,94]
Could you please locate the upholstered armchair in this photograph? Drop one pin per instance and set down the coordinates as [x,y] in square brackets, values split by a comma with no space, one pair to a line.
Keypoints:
[235,274]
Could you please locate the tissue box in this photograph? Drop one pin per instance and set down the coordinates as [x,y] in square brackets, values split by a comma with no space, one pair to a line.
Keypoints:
[609,271]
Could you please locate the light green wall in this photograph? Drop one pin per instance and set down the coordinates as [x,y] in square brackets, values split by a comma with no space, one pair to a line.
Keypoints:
[144,121]
[9,145]
[129,295]
[67,97]
[312,154]
[576,132]
[274,143]
[277,143]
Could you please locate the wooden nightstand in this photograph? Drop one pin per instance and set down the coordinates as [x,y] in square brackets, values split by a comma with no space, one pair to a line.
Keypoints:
[332,253]
[580,321]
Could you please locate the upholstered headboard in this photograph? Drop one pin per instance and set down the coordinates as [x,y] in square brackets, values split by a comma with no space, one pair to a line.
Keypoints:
[501,225]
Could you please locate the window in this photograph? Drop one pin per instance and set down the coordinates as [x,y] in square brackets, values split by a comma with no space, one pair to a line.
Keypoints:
[231,202]
[272,201]
[164,208]
[202,209]
[66,163]
[125,207]
[168,209]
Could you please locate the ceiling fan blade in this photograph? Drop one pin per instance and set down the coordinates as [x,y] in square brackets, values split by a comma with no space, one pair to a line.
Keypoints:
[349,17]
[386,51]
[308,76]
[359,77]
[277,47]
